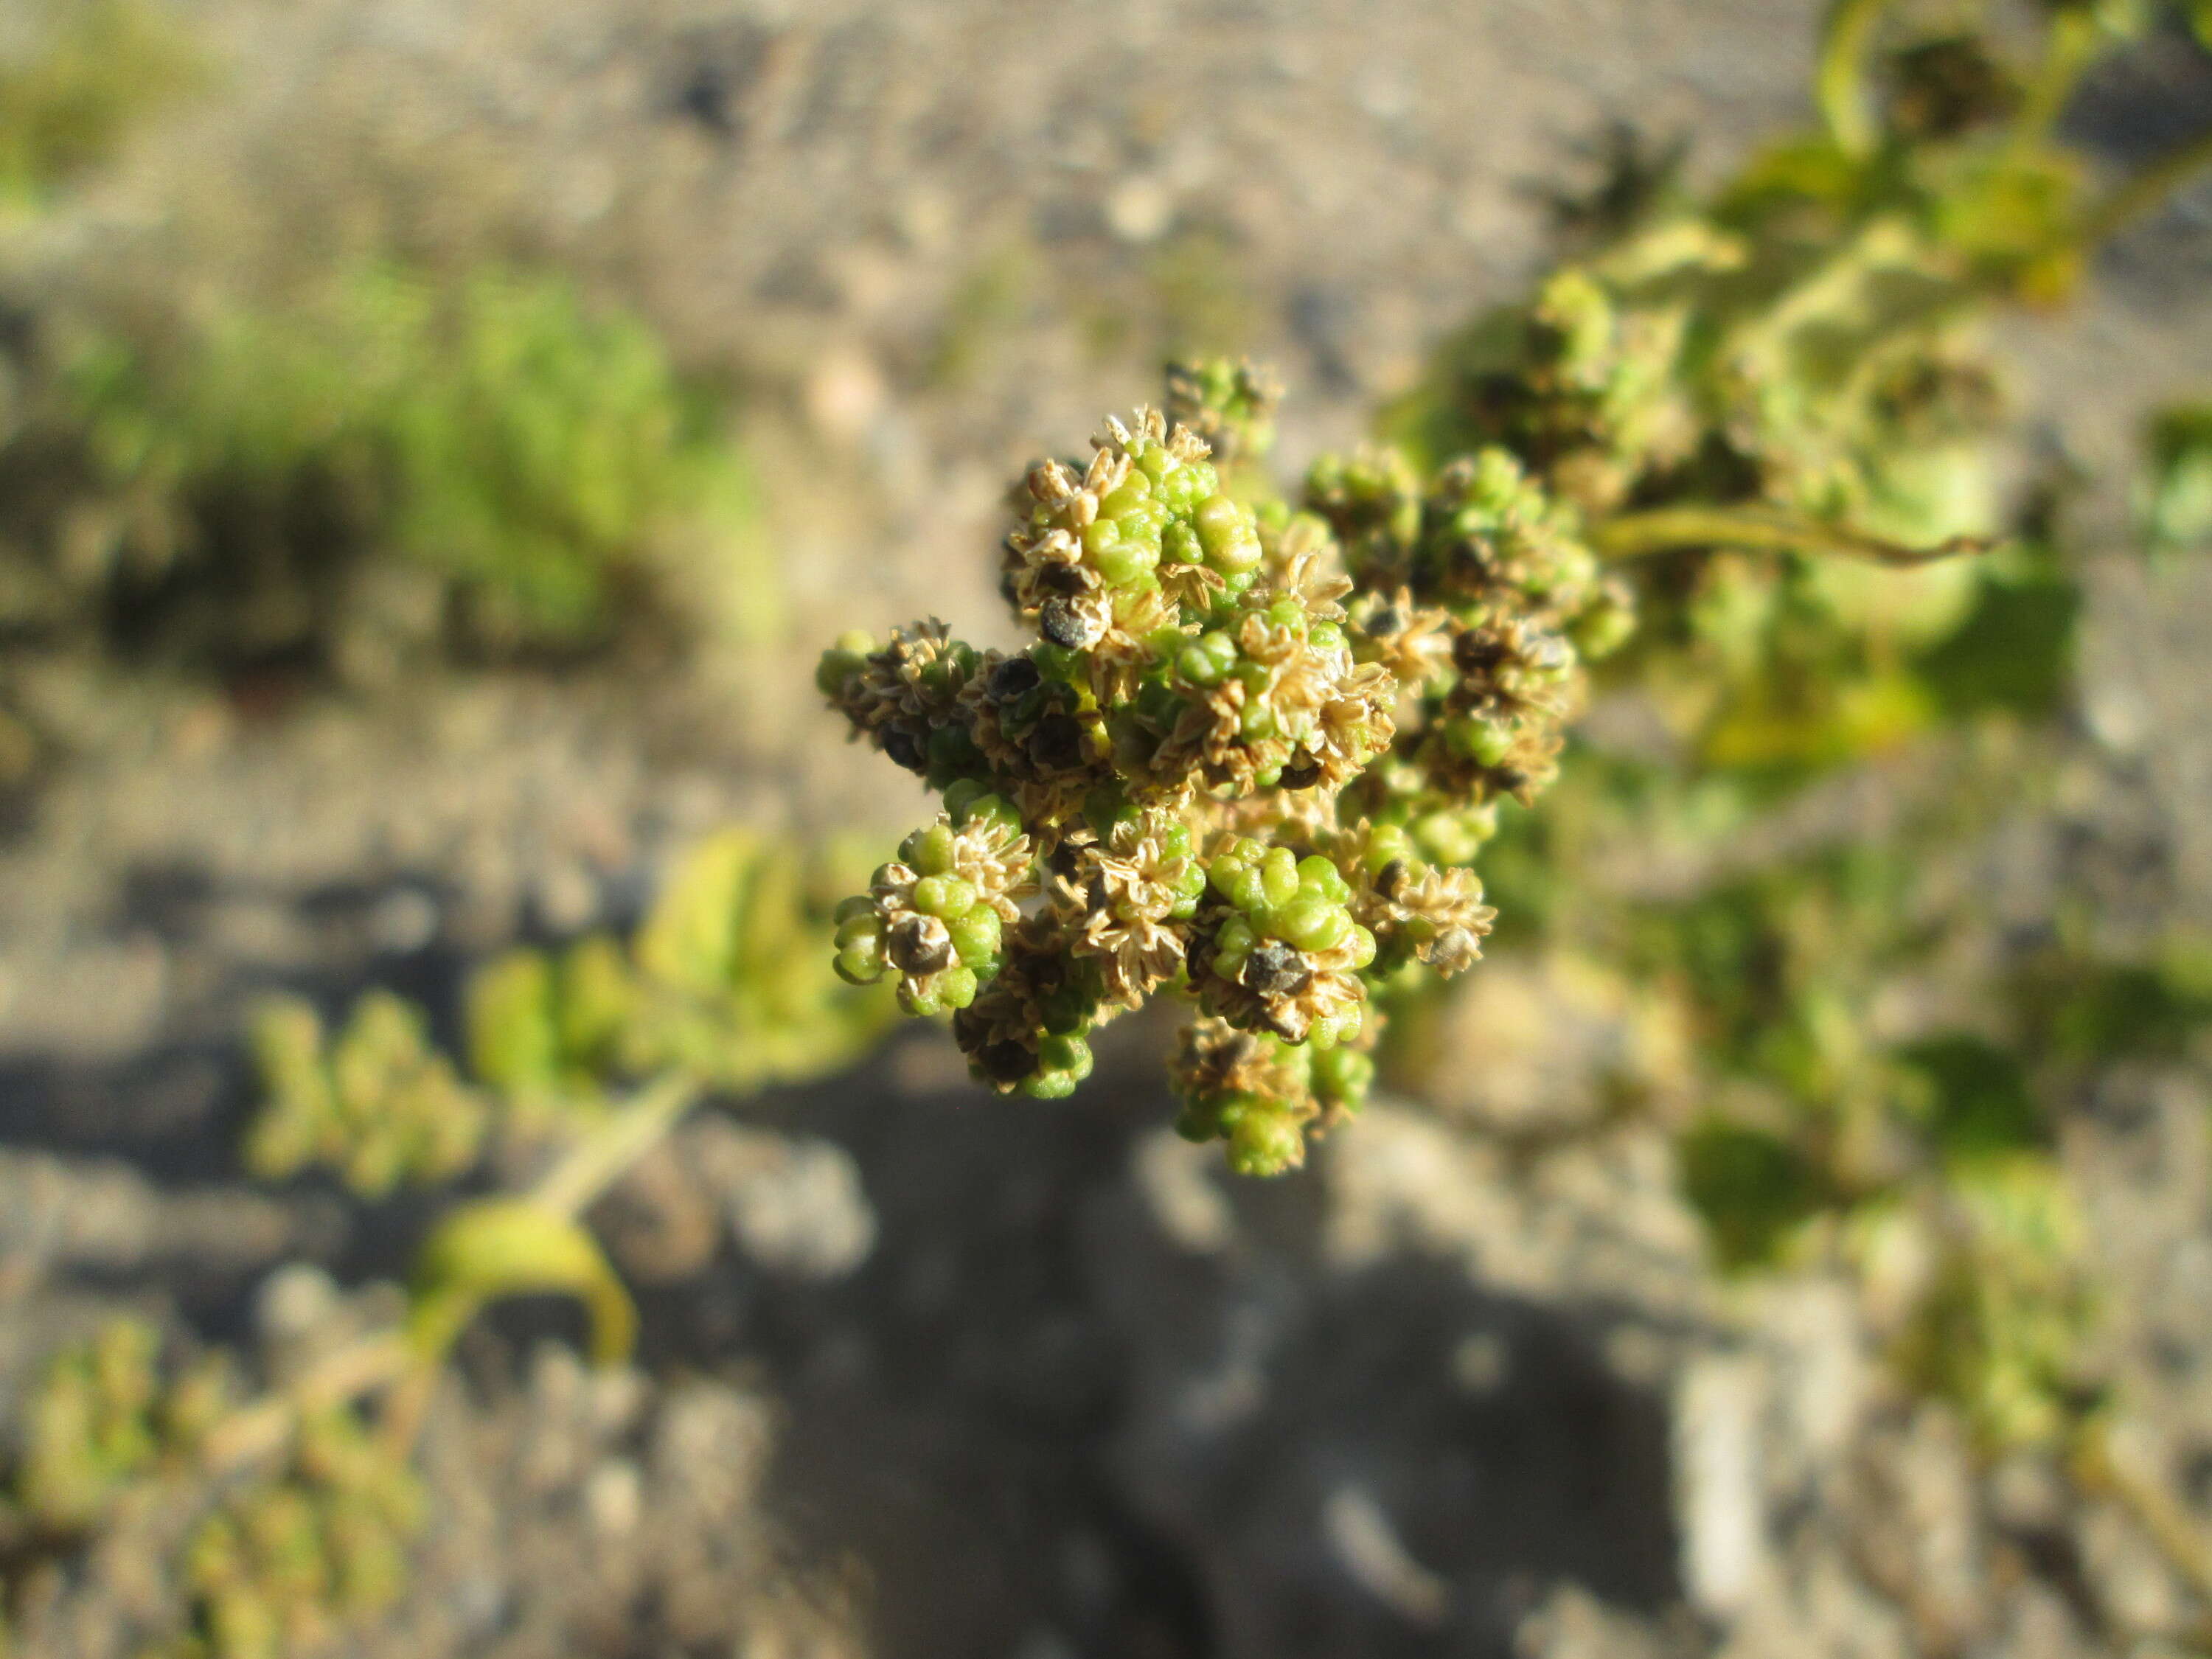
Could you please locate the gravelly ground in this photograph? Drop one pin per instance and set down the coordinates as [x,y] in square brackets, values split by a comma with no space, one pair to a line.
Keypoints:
[1081,1398]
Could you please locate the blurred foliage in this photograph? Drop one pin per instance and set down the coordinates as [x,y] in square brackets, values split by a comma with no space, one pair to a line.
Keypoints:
[526,451]
[376,1101]
[2175,502]
[1880,1067]
[501,1247]
[725,982]
[74,75]
[306,1512]
[284,1563]
[1814,339]
[99,1418]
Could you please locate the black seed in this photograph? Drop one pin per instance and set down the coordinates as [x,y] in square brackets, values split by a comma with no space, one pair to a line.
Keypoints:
[1057,744]
[1300,772]
[1007,1062]
[1390,877]
[1274,969]
[1013,676]
[1477,651]
[919,944]
[1064,625]
[905,748]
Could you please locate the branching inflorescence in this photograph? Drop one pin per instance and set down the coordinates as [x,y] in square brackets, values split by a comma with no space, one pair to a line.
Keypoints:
[1247,763]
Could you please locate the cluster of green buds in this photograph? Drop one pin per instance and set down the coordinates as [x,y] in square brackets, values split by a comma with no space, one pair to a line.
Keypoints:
[284,1565]
[1248,762]
[936,918]
[101,1417]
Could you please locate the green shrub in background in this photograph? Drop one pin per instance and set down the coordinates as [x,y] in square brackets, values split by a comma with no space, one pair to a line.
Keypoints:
[1801,361]
[530,454]
[1813,339]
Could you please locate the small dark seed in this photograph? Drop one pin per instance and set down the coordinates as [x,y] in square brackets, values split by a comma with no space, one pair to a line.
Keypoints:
[919,944]
[905,748]
[1013,676]
[1274,969]
[1007,1061]
[1301,772]
[1477,651]
[1057,744]
[1064,625]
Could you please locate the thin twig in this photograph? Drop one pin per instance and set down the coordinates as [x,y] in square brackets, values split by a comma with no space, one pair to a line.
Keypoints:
[338,1378]
[2100,1463]
[602,1157]
[2144,192]
[1671,529]
[1839,83]
[2068,49]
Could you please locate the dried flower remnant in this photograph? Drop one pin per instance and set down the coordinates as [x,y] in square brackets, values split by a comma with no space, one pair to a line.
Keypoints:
[1248,762]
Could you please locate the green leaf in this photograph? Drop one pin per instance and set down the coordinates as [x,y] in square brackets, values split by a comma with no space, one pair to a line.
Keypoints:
[514,1038]
[1977,1104]
[503,1246]
[1753,1188]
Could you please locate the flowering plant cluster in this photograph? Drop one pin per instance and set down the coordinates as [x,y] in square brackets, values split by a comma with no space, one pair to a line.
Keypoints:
[1248,762]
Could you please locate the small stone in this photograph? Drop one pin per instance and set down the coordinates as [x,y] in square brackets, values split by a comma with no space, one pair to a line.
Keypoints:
[614,1497]
[1139,208]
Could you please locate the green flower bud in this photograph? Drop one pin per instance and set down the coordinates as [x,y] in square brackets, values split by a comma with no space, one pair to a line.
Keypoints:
[1317,872]
[995,810]
[1278,877]
[1124,562]
[1266,1143]
[1136,491]
[835,669]
[1337,1027]
[1312,923]
[860,963]
[1342,1076]
[958,987]
[1229,535]
[943,896]
[976,936]
[929,851]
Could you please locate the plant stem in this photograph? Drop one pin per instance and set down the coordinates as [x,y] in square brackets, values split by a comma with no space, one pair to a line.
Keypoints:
[1839,84]
[2101,1464]
[2145,191]
[362,1365]
[386,1356]
[2069,50]
[601,1159]
[1670,529]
